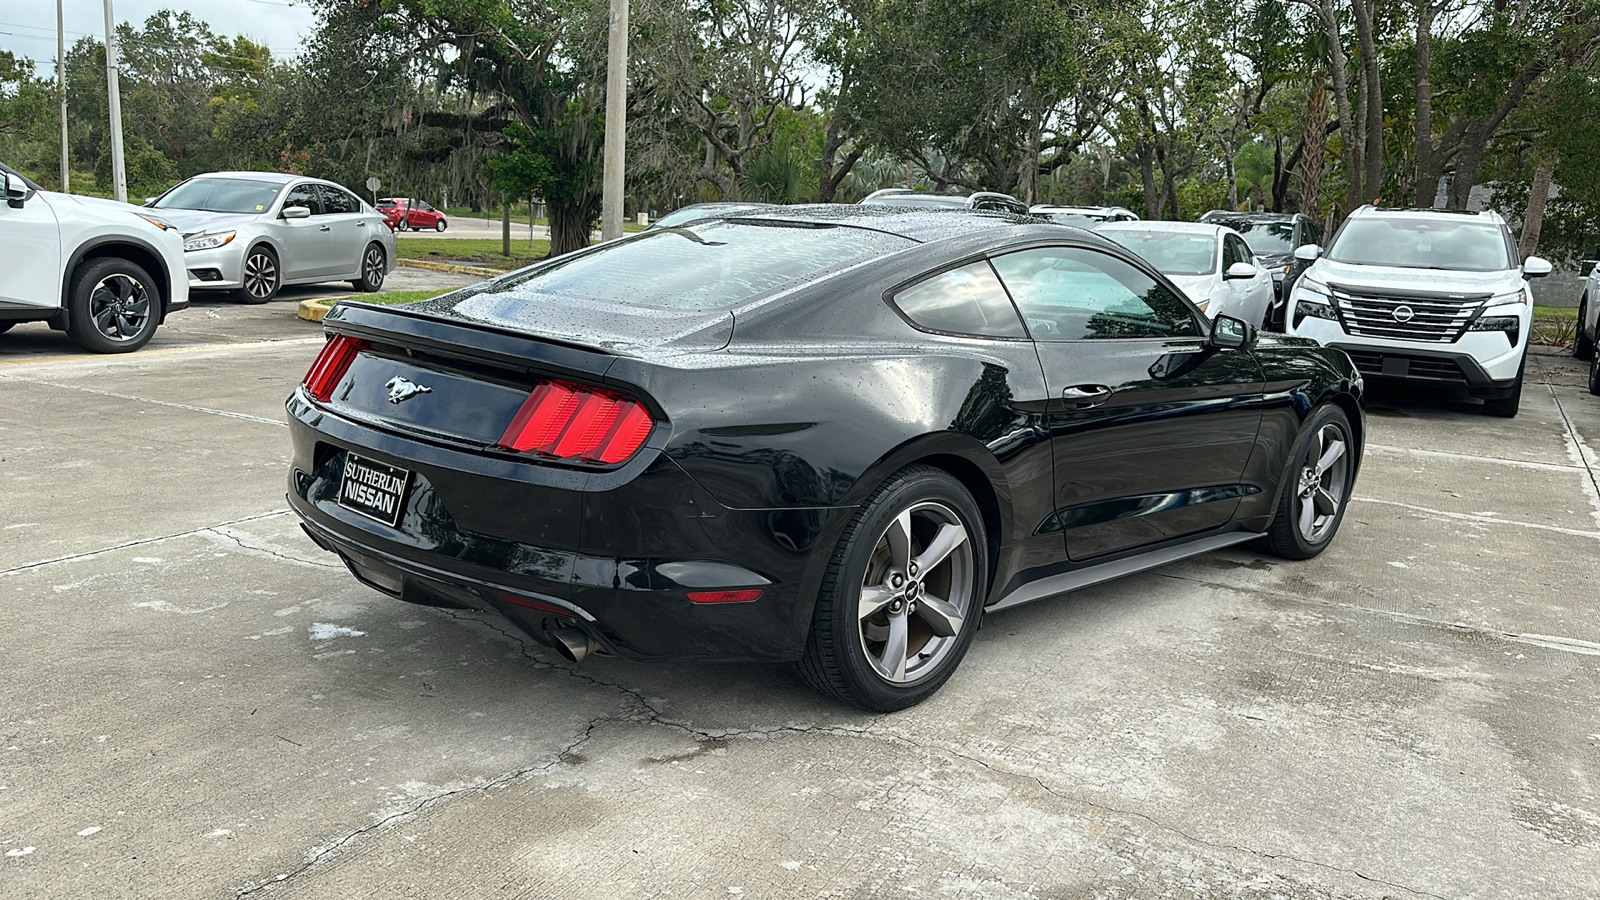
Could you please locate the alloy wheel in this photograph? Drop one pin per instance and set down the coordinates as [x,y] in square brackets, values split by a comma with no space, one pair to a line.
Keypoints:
[1322,483]
[372,266]
[260,275]
[917,592]
[119,306]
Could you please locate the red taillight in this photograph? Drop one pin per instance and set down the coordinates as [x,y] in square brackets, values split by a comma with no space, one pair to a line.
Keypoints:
[724,596]
[569,421]
[331,364]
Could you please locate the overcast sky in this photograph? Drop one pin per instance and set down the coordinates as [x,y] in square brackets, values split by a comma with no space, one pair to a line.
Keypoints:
[28,27]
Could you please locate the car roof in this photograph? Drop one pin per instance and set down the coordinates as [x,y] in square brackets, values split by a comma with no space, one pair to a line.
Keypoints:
[272,177]
[922,225]
[1421,212]
[1167,226]
[1227,216]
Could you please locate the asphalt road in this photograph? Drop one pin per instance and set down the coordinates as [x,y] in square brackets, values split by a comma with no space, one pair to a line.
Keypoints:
[198,702]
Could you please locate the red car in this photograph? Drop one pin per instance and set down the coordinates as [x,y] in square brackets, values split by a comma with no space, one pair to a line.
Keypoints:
[403,213]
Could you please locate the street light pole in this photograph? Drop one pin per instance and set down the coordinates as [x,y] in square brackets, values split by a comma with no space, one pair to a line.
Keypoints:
[616,122]
[119,172]
[61,88]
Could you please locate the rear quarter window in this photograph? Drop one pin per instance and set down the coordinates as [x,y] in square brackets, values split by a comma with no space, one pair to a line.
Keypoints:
[967,300]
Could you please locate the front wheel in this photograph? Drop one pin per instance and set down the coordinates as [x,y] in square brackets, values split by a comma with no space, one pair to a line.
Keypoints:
[1506,407]
[262,278]
[373,269]
[902,596]
[1316,487]
[1583,345]
[1594,374]
[114,307]
[439,225]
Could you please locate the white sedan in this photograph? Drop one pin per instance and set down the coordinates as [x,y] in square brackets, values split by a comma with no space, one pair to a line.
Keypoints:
[1211,264]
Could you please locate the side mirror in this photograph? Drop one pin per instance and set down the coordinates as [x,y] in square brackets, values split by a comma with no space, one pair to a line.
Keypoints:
[1308,253]
[296,212]
[150,201]
[1239,270]
[1228,333]
[16,190]
[1535,267]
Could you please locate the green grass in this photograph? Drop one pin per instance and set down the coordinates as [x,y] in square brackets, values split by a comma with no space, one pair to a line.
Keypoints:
[481,252]
[1555,312]
[399,296]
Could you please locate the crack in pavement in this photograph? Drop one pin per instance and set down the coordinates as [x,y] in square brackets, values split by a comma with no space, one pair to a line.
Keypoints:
[645,713]
[138,543]
[226,532]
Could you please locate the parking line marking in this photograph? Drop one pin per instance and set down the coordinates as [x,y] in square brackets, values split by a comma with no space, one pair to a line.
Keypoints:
[165,352]
[1469,517]
[1470,457]
[1582,456]
[204,409]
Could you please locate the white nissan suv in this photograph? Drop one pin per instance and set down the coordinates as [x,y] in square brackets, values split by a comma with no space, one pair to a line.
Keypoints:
[103,272]
[1424,296]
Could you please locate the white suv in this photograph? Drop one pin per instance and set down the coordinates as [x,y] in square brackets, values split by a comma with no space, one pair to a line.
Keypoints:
[99,270]
[1423,296]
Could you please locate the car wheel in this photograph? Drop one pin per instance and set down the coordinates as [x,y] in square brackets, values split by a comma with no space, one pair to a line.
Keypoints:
[1316,487]
[439,225]
[902,596]
[1582,345]
[262,277]
[1506,407]
[1594,374]
[372,270]
[114,307]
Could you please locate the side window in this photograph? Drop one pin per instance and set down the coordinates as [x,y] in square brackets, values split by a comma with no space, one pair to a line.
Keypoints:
[1074,294]
[425,207]
[1241,252]
[336,201]
[303,195]
[965,300]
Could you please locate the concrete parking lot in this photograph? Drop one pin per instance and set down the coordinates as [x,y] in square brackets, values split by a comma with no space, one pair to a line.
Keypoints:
[200,703]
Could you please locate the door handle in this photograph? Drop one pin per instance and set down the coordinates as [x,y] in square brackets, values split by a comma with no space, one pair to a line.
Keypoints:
[361,224]
[1086,396]
[323,228]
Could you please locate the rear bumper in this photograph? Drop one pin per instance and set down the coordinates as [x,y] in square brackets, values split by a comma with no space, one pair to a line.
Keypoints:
[614,554]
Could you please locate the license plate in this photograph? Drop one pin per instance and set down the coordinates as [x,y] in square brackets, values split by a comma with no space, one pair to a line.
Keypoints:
[373,489]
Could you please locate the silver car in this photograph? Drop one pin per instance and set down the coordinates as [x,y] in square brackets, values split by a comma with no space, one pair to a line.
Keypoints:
[254,232]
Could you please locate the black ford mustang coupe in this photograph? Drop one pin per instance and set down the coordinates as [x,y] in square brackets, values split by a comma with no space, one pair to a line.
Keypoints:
[836,435]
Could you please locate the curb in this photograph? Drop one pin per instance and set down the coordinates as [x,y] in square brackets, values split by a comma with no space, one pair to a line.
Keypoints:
[314,310]
[480,271]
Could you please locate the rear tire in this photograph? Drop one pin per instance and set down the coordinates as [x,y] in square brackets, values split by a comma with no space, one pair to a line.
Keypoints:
[114,306]
[1582,345]
[374,265]
[262,276]
[1316,486]
[902,595]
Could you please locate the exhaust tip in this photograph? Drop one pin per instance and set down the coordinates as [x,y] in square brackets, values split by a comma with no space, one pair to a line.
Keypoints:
[573,643]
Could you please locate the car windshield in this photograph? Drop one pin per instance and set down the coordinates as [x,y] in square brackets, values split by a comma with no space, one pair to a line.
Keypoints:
[1266,238]
[709,265]
[1171,252]
[1409,242]
[385,204]
[1078,219]
[224,195]
[918,200]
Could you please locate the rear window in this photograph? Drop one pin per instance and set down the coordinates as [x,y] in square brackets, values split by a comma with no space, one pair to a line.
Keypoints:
[709,265]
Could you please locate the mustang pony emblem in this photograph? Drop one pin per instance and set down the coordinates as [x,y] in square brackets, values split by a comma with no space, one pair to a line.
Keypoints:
[401,388]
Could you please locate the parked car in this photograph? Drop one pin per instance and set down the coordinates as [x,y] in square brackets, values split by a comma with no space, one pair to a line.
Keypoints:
[1273,237]
[696,212]
[993,201]
[251,233]
[922,416]
[1426,296]
[1212,264]
[1588,330]
[407,214]
[106,273]
[1090,217]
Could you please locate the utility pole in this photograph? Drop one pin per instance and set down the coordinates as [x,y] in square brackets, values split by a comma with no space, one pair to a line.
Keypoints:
[61,88]
[119,171]
[616,122]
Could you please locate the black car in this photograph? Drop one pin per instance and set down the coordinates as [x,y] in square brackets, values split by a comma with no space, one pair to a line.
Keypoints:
[836,435]
[1273,238]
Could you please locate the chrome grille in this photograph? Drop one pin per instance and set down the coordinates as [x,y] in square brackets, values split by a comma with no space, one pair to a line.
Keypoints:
[1436,318]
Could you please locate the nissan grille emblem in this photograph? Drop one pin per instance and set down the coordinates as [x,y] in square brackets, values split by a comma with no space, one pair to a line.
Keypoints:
[402,388]
[1402,314]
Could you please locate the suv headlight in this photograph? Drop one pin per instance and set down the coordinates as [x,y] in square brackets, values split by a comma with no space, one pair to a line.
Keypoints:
[1521,295]
[1311,299]
[157,221]
[204,241]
